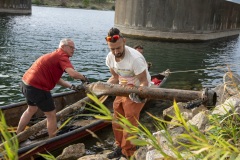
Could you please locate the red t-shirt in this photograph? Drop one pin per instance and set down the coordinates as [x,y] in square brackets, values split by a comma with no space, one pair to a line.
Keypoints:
[46,71]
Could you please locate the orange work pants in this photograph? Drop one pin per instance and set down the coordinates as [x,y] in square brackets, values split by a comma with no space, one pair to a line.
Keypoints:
[131,111]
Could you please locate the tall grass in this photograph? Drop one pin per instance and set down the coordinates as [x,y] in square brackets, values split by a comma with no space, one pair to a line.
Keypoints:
[10,148]
[11,145]
[219,141]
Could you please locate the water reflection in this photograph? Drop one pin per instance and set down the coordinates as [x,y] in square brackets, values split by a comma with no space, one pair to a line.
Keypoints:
[194,65]
[24,38]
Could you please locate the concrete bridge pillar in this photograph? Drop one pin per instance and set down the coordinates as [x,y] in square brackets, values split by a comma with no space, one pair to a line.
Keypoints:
[15,6]
[184,20]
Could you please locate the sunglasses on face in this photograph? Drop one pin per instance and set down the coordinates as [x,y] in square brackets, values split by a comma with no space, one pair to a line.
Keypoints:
[113,38]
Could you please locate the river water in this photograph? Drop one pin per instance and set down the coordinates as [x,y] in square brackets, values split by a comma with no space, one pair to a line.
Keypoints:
[25,38]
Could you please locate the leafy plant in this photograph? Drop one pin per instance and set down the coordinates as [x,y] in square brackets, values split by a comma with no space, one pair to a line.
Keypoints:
[47,156]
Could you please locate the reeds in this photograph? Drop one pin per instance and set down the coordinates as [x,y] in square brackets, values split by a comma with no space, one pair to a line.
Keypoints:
[10,150]
[219,141]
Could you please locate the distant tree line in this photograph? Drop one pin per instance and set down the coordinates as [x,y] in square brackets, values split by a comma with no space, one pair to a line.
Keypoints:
[73,3]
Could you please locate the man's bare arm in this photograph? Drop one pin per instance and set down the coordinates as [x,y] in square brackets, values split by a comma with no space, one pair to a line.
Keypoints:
[143,78]
[114,78]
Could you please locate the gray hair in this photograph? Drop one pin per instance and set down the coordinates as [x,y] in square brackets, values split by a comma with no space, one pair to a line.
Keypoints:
[64,42]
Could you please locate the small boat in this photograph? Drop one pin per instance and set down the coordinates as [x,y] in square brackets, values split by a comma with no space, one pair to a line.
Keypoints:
[159,79]
[39,143]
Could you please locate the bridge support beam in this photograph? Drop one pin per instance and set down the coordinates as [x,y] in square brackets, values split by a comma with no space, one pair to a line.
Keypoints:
[174,20]
[15,7]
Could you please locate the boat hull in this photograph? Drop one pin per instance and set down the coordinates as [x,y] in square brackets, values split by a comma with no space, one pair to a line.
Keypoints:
[13,113]
[60,141]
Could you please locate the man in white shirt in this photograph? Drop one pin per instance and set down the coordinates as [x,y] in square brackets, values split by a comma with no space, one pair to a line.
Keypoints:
[128,67]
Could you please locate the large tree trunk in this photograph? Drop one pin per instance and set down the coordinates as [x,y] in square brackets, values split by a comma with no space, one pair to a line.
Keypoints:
[100,88]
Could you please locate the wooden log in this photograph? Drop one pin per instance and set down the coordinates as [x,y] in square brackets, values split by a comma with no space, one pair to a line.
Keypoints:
[102,88]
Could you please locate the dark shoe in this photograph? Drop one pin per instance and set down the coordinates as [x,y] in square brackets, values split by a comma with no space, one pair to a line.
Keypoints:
[115,154]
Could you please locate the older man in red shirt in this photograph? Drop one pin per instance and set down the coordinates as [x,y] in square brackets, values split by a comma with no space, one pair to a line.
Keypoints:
[41,78]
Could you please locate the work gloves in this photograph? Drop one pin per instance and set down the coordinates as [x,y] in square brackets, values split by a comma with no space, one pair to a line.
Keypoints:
[76,88]
[86,80]
[81,86]
[135,98]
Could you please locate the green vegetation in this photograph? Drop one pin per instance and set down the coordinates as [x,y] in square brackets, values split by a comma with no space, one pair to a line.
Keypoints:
[220,141]
[48,156]
[88,4]
[11,145]
[10,149]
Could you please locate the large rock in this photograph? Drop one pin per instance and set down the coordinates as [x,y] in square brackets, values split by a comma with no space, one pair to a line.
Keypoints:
[230,87]
[140,154]
[230,105]
[72,152]
[200,120]
[186,113]
[94,157]
[232,81]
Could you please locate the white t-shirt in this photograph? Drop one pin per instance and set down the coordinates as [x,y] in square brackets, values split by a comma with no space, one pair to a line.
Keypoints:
[131,65]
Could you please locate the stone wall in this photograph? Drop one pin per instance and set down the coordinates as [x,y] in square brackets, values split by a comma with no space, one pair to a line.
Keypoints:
[178,20]
[15,7]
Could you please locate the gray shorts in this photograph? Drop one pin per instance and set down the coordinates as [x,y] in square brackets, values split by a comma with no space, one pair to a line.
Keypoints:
[37,97]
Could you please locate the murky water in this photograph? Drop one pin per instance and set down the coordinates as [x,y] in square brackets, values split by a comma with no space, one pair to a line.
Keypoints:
[25,38]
